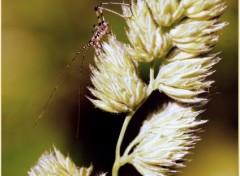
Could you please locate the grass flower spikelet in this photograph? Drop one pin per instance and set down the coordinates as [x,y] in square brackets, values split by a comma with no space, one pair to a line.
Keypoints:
[148,41]
[203,9]
[117,85]
[196,36]
[184,80]
[54,163]
[166,12]
[164,139]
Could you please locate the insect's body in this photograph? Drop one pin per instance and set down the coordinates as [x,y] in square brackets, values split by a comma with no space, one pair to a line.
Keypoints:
[100,30]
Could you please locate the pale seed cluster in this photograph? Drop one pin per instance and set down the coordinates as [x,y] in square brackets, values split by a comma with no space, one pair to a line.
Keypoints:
[153,42]
[184,80]
[54,163]
[166,12]
[117,85]
[202,9]
[164,139]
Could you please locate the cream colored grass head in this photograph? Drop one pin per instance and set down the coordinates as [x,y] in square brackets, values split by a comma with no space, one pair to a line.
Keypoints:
[54,163]
[203,9]
[166,12]
[117,85]
[148,40]
[185,80]
[164,139]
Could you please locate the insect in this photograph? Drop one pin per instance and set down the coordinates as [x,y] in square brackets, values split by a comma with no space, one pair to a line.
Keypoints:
[100,31]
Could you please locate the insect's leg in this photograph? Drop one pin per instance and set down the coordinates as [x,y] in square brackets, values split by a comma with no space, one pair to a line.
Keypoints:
[57,85]
[79,101]
[95,28]
[83,56]
[84,50]
[98,48]
[101,48]
[114,3]
[98,51]
[109,30]
[100,8]
[99,14]
[116,13]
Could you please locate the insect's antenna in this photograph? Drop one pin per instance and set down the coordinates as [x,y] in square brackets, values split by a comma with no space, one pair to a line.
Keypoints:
[58,83]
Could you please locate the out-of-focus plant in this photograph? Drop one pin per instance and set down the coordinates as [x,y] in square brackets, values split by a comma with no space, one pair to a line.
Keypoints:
[54,163]
[179,33]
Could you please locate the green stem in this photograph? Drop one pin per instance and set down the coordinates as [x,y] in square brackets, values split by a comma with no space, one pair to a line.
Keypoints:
[118,163]
[151,75]
[151,85]
[130,146]
[152,80]
[152,72]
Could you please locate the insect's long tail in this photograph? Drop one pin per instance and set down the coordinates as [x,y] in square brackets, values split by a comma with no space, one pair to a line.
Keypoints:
[84,49]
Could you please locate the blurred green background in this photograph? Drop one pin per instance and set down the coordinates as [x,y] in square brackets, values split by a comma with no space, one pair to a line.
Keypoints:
[39,37]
